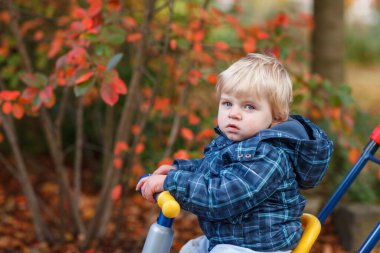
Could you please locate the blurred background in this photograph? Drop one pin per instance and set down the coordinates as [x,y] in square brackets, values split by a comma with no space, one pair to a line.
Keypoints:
[95,93]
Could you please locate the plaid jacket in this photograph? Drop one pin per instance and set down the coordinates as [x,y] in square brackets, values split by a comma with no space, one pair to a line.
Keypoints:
[247,193]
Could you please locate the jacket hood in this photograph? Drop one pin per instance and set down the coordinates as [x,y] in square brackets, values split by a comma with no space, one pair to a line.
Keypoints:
[307,146]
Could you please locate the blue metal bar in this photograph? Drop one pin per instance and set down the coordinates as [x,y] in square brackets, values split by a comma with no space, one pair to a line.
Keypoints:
[164,221]
[371,241]
[369,150]
[374,159]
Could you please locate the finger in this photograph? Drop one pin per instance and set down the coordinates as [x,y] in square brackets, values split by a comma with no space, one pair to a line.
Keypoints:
[140,183]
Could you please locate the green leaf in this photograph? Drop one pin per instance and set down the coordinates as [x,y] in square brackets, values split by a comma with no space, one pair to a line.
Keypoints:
[82,88]
[37,80]
[91,37]
[114,61]
[103,50]
[113,35]
[298,99]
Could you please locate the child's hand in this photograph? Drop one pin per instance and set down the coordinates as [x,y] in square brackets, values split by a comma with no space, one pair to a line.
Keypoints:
[151,185]
[163,169]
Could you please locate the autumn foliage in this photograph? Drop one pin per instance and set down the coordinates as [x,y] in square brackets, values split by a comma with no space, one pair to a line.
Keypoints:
[119,87]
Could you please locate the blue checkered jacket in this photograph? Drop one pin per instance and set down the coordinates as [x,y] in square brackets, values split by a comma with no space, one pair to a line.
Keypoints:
[247,193]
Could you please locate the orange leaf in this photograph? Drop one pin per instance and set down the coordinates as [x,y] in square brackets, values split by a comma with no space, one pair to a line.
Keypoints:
[139,148]
[181,154]
[95,7]
[50,102]
[87,23]
[165,160]
[205,134]
[198,47]
[221,45]
[199,35]
[129,22]
[194,76]
[187,134]
[353,155]
[212,78]
[1,137]
[173,44]
[262,35]
[161,104]
[117,163]
[193,119]
[18,110]
[38,35]
[249,45]
[7,107]
[133,37]
[116,192]
[135,129]
[56,45]
[108,94]
[120,146]
[83,78]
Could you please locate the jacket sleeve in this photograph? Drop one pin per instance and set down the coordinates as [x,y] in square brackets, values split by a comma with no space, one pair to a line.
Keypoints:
[187,165]
[238,187]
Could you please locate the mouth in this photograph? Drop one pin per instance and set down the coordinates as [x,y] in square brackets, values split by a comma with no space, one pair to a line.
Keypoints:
[232,127]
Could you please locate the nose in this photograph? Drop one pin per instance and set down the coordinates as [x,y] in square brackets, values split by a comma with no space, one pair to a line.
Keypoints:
[234,113]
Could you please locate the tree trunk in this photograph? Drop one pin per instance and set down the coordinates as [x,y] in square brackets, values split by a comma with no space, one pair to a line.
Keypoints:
[328,40]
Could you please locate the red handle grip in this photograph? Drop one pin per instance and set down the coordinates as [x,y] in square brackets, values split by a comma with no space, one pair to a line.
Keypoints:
[375,136]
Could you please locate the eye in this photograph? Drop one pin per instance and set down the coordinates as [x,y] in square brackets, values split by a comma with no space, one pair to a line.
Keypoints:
[249,107]
[226,104]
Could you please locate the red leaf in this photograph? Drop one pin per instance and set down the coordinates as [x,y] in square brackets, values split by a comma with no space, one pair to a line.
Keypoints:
[7,107]
[212,78]
[117,163]
[46,94]
[119,86]
[108,94]
[116,192]
[18,111]
[9,95]
[84,77]
[139,148]
[181,154]
[28,94]
[249,45]
[120,146]
[133,37]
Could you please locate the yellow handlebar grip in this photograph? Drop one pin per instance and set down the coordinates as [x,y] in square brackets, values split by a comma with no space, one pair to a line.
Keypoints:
[169,206]
[312,228]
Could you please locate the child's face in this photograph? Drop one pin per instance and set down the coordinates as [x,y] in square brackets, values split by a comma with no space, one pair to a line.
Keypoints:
[240,118]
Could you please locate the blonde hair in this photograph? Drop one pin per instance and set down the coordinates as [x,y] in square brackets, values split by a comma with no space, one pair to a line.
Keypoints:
[259,75]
